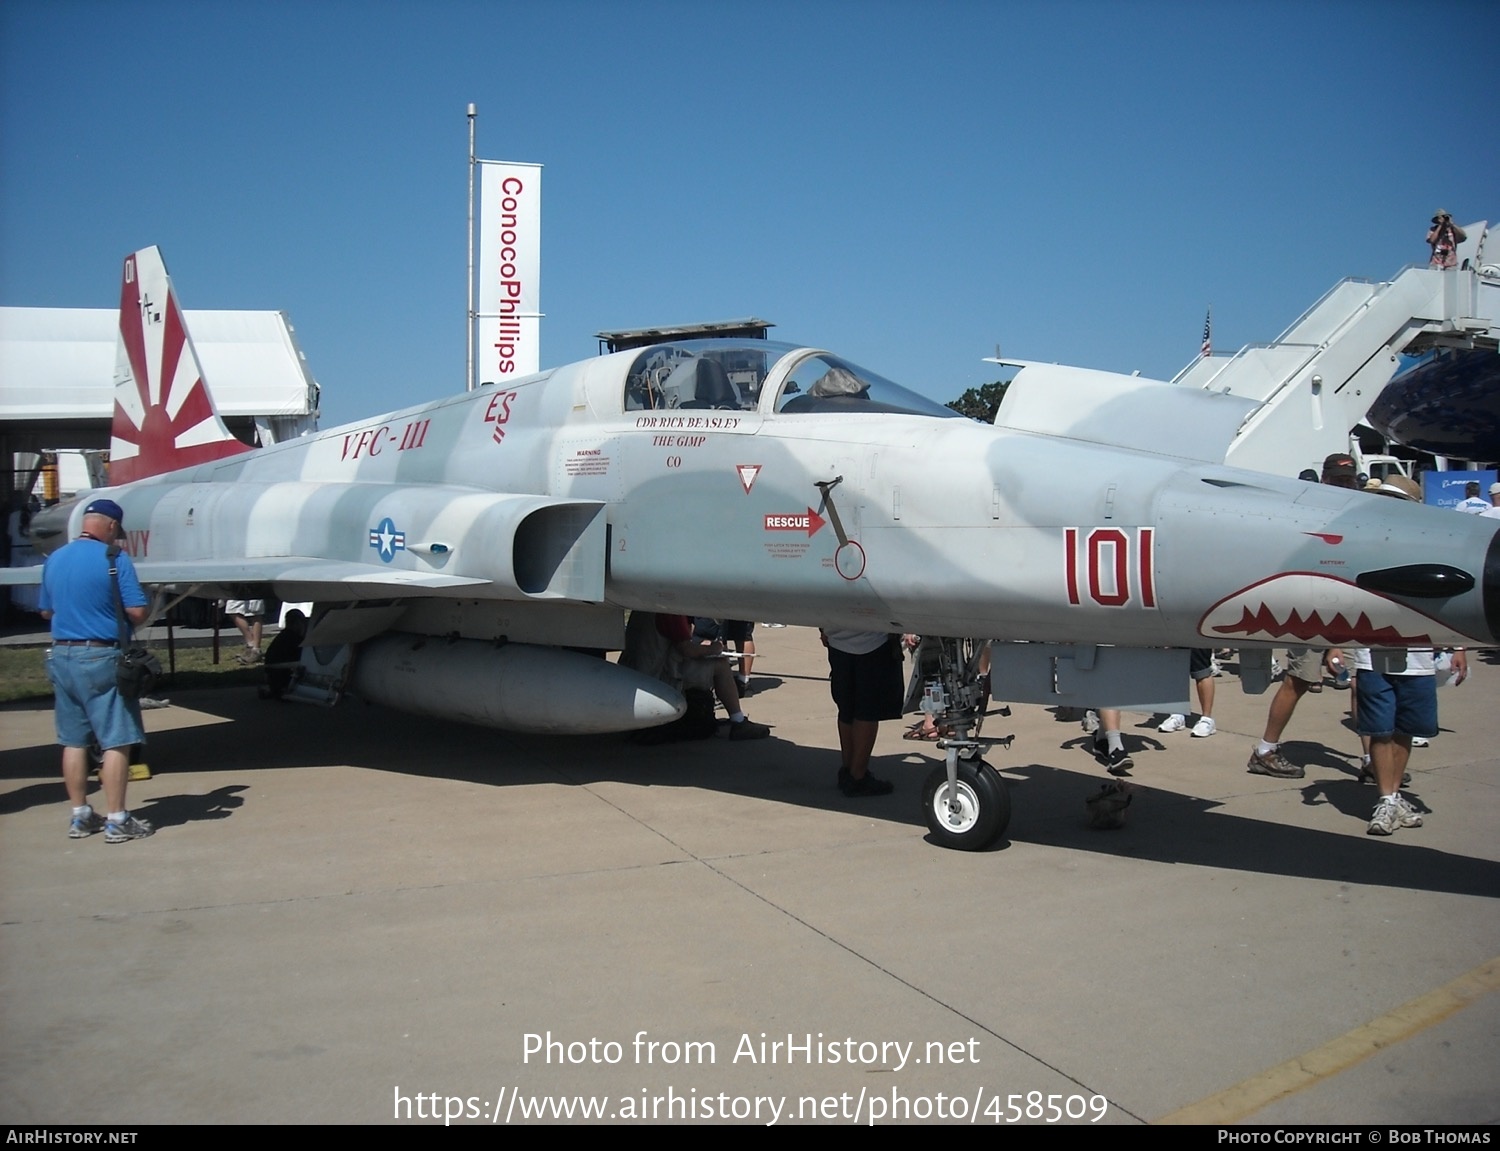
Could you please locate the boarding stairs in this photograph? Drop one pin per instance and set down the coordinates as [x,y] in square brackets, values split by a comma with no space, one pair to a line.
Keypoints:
[1317,380]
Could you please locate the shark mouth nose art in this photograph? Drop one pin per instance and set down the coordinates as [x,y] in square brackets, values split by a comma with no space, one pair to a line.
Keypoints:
[1307,607]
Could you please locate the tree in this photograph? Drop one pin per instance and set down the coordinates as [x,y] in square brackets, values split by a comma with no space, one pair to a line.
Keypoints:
[981,403]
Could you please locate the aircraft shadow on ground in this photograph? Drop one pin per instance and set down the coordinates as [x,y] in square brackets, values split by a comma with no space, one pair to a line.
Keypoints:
[1047,799]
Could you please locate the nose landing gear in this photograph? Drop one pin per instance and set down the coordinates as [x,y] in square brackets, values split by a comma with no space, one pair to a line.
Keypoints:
[965,802]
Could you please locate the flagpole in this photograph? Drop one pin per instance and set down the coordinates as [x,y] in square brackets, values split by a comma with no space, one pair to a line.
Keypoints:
[469,366]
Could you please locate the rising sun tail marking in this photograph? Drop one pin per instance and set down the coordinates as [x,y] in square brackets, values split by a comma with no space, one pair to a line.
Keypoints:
[164,417]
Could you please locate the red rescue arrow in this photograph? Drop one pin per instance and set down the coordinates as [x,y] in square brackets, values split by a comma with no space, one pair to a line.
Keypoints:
[808,521]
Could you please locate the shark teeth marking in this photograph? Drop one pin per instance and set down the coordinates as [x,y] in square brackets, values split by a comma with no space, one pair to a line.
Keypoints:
[1306,607]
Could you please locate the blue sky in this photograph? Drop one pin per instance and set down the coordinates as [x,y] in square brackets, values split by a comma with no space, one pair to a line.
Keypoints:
[906,184]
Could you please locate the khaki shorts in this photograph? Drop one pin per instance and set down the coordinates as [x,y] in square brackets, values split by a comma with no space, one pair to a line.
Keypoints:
[1305,663]
[698,673]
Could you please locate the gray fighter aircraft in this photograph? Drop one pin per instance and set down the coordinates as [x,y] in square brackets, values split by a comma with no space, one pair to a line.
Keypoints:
[455,550]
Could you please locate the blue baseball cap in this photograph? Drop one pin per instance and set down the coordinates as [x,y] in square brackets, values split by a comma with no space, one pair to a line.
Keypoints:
[106,508]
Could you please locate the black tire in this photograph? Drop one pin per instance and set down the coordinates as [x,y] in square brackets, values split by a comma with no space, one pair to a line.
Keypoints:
[984,807]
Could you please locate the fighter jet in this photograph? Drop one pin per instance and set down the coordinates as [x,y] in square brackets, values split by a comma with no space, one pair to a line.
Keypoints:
[455,550]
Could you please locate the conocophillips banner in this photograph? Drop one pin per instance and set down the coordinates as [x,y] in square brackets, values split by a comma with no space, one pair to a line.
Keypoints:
[509,270]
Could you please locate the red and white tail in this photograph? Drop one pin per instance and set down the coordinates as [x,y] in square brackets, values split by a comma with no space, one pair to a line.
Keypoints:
[164,417]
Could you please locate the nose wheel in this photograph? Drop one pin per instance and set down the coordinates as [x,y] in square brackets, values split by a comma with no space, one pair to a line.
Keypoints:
[966,803]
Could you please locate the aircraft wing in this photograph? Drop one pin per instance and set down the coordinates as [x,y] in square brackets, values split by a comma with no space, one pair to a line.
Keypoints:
[343,580]
[360,541]
[303,570]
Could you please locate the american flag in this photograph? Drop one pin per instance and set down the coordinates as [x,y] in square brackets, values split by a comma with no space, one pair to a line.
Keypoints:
[1208,334]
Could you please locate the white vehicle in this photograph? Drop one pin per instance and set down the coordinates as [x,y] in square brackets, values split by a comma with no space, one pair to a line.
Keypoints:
[1381,467]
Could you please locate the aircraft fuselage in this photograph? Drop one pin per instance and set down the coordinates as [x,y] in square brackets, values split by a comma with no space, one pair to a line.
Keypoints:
[884,517]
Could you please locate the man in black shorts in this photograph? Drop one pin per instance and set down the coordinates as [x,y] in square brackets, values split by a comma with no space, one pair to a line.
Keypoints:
[741,633]
[864,675]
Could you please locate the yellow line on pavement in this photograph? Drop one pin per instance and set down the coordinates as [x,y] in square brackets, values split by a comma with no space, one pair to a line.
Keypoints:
[1244,1099]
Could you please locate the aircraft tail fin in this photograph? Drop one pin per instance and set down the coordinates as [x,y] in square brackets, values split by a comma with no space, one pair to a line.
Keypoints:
[164,418]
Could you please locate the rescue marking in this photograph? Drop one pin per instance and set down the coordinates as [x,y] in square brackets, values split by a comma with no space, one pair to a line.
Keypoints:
[1113,579]
[386,540]
[808,522]
[747,474]
[784,549]
[849,560]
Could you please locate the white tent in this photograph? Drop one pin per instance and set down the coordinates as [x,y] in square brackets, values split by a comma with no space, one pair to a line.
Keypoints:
[59,363]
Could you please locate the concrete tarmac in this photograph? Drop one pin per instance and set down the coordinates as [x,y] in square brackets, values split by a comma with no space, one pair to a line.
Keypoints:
[357,916]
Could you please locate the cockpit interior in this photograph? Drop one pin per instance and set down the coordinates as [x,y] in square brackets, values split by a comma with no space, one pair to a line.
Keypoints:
[760,375]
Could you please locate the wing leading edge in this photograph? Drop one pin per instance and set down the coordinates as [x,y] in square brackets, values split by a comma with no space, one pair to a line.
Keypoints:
[342,580]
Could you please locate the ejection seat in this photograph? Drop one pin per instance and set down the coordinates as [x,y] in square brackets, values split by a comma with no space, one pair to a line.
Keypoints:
[712,387]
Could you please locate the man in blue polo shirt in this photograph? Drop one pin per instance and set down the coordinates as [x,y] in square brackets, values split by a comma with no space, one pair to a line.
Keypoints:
[78,597]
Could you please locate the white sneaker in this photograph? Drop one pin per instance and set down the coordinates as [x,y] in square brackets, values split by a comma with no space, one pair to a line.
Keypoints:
[1090,721]
[126,829]
[1173,722]
[1418,741]
[1204,727]
[1393,812]
[1410,817]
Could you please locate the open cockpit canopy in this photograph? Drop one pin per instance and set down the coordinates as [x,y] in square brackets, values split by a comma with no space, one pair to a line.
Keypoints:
[761,375]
